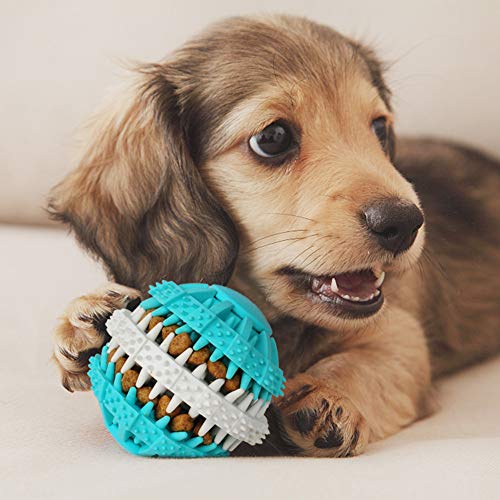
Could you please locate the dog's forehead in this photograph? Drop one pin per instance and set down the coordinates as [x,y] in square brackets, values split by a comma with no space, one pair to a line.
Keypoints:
[249,54]
[247,69]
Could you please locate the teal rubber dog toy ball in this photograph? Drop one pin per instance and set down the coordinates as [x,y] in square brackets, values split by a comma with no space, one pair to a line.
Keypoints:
[189,373]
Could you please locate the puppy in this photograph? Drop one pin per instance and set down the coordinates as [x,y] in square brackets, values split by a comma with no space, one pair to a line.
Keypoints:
[262,154]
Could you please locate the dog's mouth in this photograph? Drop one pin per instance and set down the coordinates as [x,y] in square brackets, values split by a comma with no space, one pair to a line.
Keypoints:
[353,294]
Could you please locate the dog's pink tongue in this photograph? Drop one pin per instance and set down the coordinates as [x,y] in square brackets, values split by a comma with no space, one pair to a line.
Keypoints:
[359,283]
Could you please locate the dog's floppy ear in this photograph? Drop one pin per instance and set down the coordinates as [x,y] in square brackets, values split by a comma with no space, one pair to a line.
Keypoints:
[137,200]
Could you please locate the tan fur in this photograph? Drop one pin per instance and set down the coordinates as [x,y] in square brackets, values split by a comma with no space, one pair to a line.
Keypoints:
[79,334]
[169,189]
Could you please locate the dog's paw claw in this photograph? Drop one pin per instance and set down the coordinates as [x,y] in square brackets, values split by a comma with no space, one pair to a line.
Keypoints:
[81,332]
[321,421]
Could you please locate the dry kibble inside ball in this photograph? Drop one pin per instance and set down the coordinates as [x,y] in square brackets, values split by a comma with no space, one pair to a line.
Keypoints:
[119,364]
[143,395]
[129,380]
[167,330]
[217,369]
[182,422]
[161,408]
[199,357]
[154,321]
[179,344]
[207,438]
[145,314]
[233,383]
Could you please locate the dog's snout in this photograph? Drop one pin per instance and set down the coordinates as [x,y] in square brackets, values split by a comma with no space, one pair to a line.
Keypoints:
[394,223]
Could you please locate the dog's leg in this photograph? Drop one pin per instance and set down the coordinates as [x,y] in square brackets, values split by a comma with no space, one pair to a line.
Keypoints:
[81,331]
[378,385]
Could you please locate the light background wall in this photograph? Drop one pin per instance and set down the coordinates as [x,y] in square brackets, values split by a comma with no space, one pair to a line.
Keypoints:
[58,57]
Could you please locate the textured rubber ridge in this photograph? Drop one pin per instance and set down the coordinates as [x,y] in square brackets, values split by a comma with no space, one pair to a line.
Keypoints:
[135,428]
[243,419]
[229,322]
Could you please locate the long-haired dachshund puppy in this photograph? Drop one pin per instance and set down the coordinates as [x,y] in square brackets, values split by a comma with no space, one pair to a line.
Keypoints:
[262,154]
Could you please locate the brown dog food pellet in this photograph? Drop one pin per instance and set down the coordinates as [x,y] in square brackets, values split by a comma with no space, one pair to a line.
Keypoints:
[143,395]
[129,380]
[233,383]
[199,357]
[111,354]
[154,321]
[145,314]
[119,364]
[182,422]
[161,408]
[167,330]
[207,438]
[179,344]
[217,369]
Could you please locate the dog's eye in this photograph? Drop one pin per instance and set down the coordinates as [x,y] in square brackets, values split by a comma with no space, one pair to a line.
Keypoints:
[379,127]
[275,140]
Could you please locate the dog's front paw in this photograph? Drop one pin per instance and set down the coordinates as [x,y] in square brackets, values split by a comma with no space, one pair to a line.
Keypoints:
[81,331]
[320,421]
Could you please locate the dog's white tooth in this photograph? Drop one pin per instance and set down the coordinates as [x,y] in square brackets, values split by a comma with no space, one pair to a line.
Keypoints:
[380,280]
[356,299]
[347,297]
[333,286]
[377,293]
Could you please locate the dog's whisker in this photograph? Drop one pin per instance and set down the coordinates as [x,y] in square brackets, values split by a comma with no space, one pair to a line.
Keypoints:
[432,261]
[270,289]
[274,243]
[313,261]
[297,238]
[305,261]
[276,234]
[291,215]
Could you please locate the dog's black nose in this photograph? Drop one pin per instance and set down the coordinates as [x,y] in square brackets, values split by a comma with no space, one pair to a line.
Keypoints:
[394,223]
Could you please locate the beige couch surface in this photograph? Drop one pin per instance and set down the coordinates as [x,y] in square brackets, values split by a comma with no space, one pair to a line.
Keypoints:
[54,444]
[59,57]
